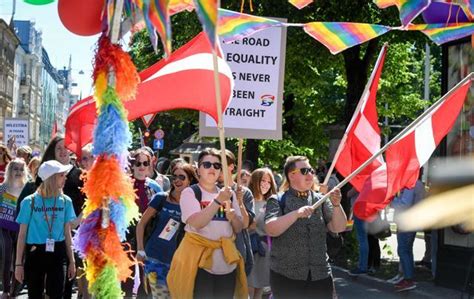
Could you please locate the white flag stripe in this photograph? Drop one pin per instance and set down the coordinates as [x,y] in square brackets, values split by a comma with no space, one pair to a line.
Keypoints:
[424,141]
[202,61]
[367,135]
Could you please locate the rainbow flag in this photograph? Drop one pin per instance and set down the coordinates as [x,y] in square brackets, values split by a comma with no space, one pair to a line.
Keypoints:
[233,25]
[158,14]
[440,33]
[207,13]
[339,36]
[177,6]
[409,9]
[300,3]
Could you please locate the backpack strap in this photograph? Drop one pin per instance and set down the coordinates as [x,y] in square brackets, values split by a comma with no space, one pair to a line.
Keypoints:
[197,192]
[281,197]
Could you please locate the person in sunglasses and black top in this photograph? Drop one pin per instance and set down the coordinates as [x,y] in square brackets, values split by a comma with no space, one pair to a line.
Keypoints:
[207,263]
[299,265]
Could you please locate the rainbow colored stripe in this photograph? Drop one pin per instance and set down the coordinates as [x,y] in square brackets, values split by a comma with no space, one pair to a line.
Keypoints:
[207,13]
[409,9]
[159,16]
[440,33]
[339,36]
[300,3]
[234,25]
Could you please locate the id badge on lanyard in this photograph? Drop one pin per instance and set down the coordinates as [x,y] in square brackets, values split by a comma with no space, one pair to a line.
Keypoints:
[49,245]
[49,240]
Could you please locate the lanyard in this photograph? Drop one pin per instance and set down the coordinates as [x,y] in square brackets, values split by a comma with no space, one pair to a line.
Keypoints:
[50,227]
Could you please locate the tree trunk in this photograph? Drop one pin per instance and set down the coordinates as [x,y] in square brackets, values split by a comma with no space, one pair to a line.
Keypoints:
[251,151]
[357,75]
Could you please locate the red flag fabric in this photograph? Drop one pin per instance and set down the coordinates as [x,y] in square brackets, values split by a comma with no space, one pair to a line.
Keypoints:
[183,81]
[363,136]
[406,156]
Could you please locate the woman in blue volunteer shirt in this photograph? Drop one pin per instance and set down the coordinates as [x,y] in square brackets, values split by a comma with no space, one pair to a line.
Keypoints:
[44,240]
[163,241]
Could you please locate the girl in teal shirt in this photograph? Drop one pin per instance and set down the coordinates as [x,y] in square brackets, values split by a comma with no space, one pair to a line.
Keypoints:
[44,240]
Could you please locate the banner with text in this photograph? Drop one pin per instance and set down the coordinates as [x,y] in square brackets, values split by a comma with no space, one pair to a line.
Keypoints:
[258,67]
[17,128]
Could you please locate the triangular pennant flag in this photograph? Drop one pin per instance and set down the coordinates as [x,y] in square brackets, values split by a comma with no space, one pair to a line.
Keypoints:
[338,36]
[300,3]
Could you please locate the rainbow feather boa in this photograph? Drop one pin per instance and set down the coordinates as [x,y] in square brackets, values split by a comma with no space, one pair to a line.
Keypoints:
[110,206]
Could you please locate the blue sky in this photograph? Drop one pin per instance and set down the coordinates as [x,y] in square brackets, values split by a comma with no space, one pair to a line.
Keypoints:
[57,40]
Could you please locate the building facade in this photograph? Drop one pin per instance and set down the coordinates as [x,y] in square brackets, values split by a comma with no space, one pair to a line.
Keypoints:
[29,102]
[8,44]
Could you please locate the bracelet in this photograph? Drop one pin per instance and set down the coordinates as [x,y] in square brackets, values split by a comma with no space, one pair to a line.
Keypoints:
[336,206]
[19,265]
[217,202]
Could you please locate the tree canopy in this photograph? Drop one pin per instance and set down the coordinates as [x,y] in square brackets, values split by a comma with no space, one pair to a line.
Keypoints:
[320,90]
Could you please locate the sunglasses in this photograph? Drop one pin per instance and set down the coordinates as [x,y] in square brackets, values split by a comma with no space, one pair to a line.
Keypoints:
[144,163]
[208,165]
[18,169]
[304,170]
[178,177]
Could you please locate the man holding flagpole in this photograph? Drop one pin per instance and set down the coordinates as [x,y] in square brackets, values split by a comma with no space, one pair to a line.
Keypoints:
[299,265]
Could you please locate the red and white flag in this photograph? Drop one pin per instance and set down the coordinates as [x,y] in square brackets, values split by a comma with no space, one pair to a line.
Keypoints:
[183,81]
[363,133]
[406,156]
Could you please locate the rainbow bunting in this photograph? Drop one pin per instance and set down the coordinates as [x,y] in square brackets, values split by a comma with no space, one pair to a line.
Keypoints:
[409,9]
[440,33]
[207,13]
[300,3]
[339,36]
[234,25]
[157,11]
[177,6]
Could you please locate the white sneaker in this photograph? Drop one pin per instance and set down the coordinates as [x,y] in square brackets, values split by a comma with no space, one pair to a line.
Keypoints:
[396,279]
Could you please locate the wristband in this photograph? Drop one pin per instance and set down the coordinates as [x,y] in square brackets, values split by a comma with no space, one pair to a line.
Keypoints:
[141,253]
[19,265]
[217,202]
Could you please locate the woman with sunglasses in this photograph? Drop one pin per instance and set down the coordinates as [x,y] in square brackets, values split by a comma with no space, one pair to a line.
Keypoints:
[5,157]
[158,249]
[145,189]
[262,184]
[16,176]
[207,263]
[141,170]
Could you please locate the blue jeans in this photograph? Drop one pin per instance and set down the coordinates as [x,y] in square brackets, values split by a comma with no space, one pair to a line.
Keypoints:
[405,252]
[361,231]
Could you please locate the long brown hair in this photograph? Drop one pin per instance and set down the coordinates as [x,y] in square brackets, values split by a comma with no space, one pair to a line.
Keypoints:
[256,178]
[190,173]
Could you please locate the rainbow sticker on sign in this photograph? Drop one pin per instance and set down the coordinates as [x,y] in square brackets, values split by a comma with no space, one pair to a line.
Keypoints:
[267,100]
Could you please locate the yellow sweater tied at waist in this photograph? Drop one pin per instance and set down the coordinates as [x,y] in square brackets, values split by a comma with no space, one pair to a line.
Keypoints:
[194,252]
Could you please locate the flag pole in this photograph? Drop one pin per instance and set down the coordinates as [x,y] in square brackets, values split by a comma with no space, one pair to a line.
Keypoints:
[239,162]
[356,112]
[397,138]
[220,125]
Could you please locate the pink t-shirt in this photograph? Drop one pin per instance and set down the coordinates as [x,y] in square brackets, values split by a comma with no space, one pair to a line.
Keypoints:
[217,228]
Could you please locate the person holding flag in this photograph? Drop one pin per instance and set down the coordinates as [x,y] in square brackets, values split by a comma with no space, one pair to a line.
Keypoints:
[299,265]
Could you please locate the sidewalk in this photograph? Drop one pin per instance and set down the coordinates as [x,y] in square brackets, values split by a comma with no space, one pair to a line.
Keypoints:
[423,290]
